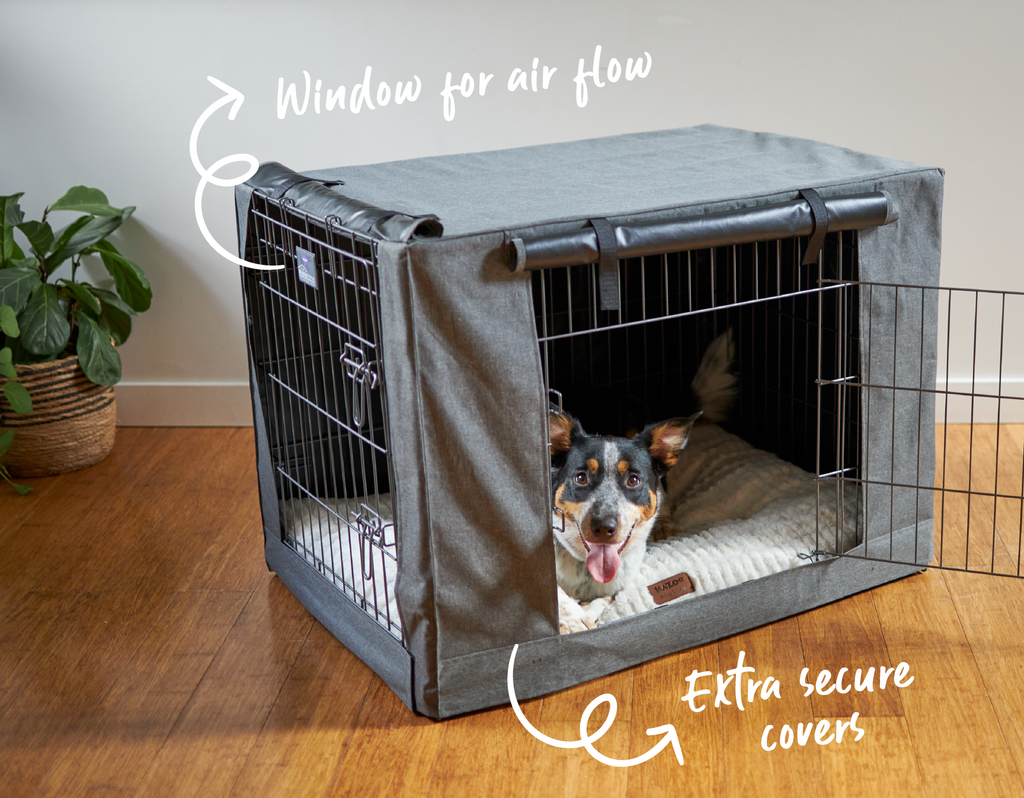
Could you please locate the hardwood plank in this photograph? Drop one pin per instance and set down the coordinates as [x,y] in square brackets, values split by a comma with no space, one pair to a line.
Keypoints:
[659,686]
[573,773]
[207,748]
[298,749]
[123,735]
[487,753]
[30,632]
[882,764]
[233,559]
[989,609]
[846,634]
[15,509]
[60,522]
[956,735]
[775,651]
[392,751]
[985,604]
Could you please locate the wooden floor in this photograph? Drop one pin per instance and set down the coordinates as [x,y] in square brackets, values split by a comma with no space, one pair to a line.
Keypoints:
[146,651]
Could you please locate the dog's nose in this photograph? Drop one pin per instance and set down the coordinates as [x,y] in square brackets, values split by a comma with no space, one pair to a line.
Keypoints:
[603,528]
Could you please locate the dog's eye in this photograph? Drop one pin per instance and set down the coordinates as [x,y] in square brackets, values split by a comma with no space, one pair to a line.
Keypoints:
[632,481]
[580,478]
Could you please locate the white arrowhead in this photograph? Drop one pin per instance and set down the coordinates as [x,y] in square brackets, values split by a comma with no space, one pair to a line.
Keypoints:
[233,95]
[235,99]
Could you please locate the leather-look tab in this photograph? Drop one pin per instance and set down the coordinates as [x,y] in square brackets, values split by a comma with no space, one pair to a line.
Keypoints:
[607,264]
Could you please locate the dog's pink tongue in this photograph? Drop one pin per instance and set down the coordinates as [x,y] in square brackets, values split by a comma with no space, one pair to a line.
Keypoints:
[603,562]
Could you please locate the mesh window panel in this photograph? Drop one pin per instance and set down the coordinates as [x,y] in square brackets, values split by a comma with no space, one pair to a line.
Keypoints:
[314,331]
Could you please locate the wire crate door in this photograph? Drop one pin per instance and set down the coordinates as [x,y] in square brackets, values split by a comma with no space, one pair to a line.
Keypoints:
[921,417]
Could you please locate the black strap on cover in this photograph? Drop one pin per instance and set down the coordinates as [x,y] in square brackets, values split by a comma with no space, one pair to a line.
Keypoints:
[820,214]
[607,264]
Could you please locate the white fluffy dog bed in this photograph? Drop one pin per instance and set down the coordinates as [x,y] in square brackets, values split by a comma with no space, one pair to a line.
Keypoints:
[739,513]
[333,535]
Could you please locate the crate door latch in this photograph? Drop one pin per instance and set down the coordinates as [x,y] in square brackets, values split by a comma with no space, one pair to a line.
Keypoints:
[370,527]
[364,378]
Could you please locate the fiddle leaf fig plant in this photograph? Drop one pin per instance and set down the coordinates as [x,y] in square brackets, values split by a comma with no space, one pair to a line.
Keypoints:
[63,315]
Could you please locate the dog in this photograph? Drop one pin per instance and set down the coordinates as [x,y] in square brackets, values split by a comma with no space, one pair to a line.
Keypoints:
[608,495]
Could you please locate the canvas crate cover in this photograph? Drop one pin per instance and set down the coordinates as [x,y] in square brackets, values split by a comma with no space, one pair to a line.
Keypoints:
[469,430]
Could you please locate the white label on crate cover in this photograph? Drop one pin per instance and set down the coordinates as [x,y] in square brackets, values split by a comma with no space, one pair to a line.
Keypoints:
[306,264]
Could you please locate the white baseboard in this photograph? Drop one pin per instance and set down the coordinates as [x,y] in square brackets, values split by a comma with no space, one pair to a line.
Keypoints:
[166,404]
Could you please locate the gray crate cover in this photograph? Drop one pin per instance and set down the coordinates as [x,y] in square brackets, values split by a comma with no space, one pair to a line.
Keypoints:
[469,426]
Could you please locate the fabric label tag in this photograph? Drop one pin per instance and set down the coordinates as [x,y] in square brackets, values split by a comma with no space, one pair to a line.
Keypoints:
[306,264]
[671,588]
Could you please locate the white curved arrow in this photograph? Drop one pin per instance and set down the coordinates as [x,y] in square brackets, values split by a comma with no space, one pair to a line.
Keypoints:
[671,737]
[235,98]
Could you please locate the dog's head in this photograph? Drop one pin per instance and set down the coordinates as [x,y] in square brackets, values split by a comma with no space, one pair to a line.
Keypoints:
[607,490]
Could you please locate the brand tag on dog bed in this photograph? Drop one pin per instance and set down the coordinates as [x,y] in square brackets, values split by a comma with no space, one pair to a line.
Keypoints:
[671,588]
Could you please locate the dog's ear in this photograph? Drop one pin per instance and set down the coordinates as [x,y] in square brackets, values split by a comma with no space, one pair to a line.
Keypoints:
[564,430]
[667,439]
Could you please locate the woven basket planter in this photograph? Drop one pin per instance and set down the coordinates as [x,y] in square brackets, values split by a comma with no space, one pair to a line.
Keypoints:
[71,425]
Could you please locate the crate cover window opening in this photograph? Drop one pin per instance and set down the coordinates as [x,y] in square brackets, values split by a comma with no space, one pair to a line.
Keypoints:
[402,357]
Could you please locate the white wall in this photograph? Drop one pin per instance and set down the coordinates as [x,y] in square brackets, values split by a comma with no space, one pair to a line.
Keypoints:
[106,93]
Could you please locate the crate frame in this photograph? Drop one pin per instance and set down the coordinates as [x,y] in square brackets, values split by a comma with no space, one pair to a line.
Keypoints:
[440,345]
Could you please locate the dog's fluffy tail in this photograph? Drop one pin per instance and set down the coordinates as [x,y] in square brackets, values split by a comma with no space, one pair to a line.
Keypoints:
[715,384]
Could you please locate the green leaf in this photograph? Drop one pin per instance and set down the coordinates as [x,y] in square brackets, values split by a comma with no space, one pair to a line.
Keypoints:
[84,296]
[22,357]
[44,327]
[8,322]
[64,236]
[129,279]
[10,215]
[118,317]
[112,299]
[97,356]
[86,200]
[39,235]
[31,262]
[8,371]
[5,441]
[16,285]
[6,355]
[92,232]
[18,397]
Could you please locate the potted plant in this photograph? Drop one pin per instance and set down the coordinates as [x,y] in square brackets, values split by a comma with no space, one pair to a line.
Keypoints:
[65,355]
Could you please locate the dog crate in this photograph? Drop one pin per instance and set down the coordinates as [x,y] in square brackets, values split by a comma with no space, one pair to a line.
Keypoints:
[410,323]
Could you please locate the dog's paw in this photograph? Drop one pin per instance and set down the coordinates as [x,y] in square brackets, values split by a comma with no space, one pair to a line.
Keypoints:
[576,617]
[594,608]
[571,617]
